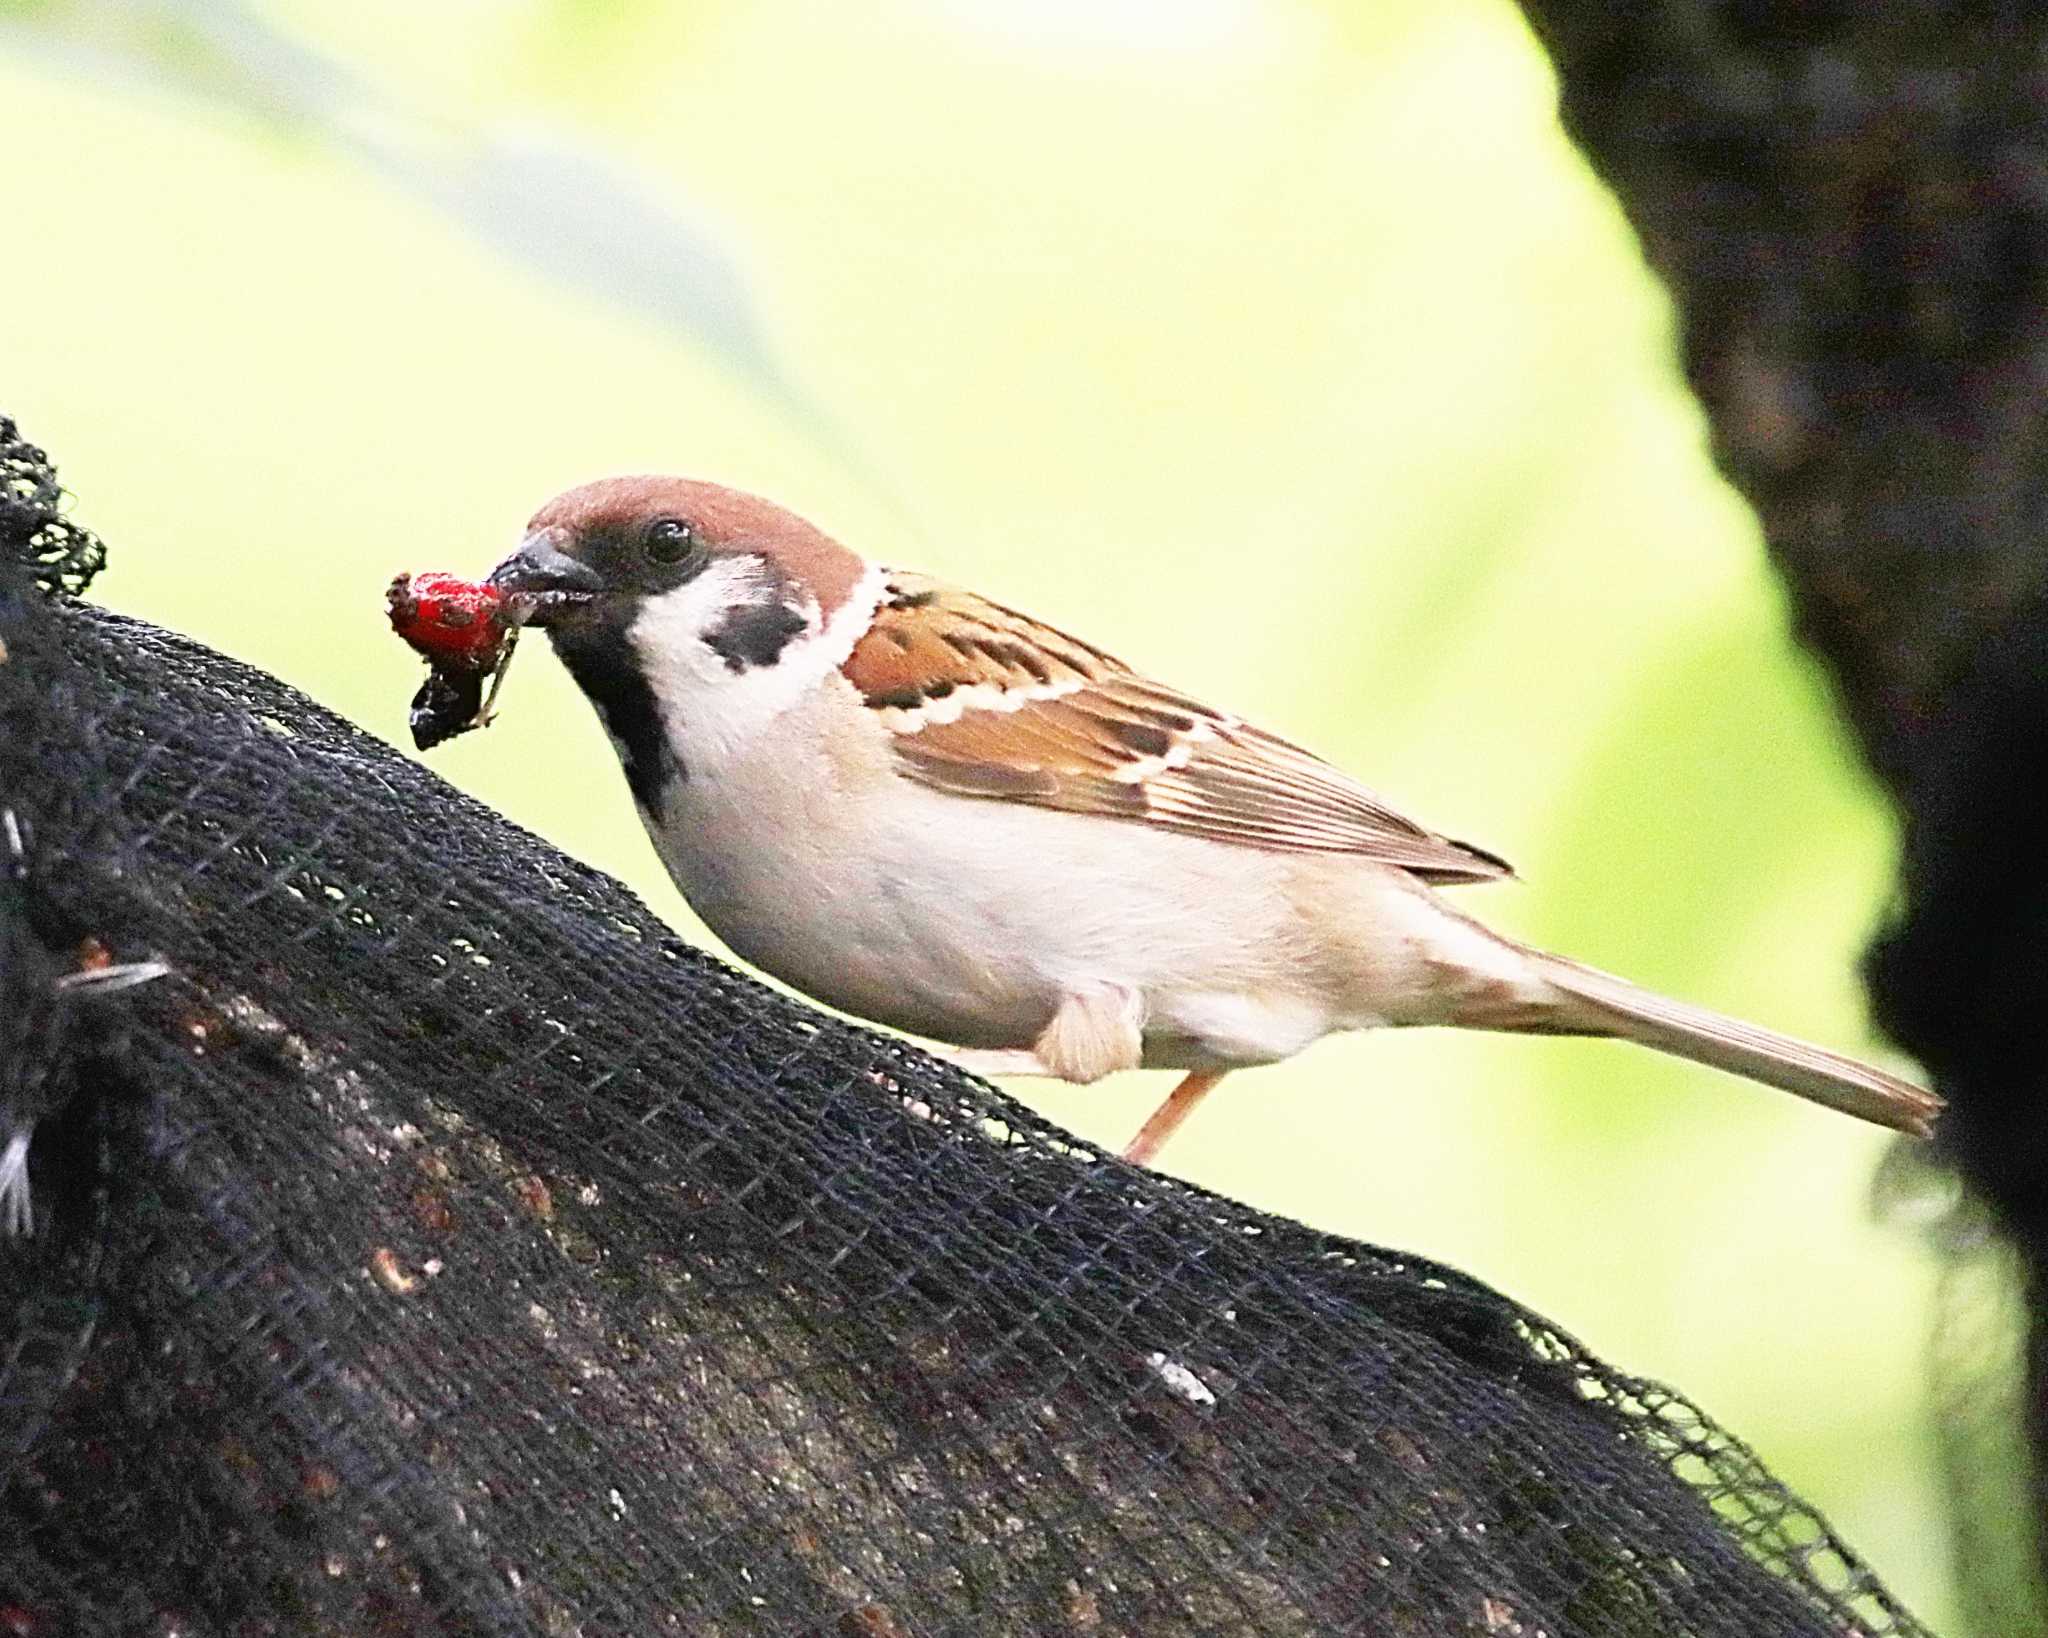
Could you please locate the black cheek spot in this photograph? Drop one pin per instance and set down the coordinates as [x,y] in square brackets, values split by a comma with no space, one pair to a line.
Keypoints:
[603,667]
[755,634]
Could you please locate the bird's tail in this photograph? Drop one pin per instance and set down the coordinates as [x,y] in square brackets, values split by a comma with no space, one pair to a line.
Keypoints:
[1600,1004]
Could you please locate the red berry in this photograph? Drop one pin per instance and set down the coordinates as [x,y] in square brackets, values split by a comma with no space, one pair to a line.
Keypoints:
[450,620]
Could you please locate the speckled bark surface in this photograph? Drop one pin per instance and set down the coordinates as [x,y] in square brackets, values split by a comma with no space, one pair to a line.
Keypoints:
[1849,205]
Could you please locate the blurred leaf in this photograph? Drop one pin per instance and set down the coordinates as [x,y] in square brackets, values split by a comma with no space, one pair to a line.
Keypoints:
[582,218]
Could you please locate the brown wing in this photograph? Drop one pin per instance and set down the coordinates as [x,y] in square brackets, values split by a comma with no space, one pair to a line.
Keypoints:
[986,702]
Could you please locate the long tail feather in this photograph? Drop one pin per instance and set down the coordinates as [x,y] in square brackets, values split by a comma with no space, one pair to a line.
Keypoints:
[1607,1005]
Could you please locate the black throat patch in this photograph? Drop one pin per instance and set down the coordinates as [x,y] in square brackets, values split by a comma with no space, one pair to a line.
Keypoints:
[755,634]
[602,662]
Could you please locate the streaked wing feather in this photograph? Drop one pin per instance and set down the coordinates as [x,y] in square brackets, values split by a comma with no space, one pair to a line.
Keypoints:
[987,702]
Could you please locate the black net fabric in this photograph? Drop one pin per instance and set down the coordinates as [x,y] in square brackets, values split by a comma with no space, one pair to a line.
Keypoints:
[440,1245]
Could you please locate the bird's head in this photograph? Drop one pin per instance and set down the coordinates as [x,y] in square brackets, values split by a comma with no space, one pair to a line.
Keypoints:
[690,614]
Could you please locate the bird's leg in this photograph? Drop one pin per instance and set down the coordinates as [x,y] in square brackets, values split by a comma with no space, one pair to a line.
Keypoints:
[1164,1121]
[990,1062]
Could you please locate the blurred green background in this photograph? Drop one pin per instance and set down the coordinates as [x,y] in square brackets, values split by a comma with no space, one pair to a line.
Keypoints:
[1287,348]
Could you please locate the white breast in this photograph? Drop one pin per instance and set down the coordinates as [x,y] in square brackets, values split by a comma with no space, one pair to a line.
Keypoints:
[968,920]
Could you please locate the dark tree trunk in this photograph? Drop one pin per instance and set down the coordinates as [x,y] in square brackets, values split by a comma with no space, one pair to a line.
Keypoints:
[1849,204]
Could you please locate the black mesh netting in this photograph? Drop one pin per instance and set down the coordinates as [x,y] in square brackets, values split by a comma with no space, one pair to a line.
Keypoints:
[442,1246]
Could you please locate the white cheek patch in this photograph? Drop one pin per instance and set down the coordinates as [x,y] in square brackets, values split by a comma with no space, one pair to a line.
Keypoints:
[710,707]
[667,635]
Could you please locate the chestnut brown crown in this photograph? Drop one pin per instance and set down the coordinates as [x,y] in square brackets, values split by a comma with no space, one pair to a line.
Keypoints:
[648,534]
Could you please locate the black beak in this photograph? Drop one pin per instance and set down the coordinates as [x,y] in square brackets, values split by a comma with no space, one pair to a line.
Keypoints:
[541,570]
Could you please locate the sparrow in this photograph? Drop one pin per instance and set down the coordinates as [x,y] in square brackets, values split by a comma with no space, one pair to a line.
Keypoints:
[936,813]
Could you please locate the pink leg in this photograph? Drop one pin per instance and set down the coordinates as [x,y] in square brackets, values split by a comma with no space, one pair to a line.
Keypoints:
[1164,1121]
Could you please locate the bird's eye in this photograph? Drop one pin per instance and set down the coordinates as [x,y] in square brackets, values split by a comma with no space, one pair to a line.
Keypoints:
[668,540]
